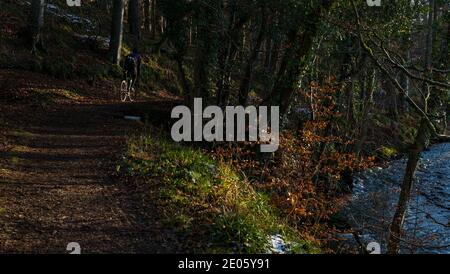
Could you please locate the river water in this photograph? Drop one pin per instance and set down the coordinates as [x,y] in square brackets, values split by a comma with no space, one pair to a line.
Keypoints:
[375,197]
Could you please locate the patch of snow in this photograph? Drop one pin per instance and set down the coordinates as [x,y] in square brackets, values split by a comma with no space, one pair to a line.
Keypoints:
[57,11]
[132,118]
[103,42]
[277,245]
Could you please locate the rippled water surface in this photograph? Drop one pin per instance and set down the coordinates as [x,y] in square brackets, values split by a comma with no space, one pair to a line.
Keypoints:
[426,226]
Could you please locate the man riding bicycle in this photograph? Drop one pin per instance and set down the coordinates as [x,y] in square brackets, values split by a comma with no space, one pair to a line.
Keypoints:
[132,68]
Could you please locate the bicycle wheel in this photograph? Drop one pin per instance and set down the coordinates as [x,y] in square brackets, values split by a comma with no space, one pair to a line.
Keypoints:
[123,91]
[130,89]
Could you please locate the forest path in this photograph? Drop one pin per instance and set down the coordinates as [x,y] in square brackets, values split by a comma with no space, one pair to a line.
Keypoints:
[56,185]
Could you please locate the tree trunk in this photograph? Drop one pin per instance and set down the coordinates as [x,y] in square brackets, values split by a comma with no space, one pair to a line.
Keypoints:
[154,19]
[183,80]
[105,5]
[268,45]
[404,79]
[115,45]
[35,24]
[224,82]
[350,114]
[367,109]
[205,49]
[227,54]
[147,18]
[422,138]
[274,57]
[299,45]
[246,81]
[201,79]
[272,64]
[134,18]
[444,59]
[393,99]
[406,84]
[162,23]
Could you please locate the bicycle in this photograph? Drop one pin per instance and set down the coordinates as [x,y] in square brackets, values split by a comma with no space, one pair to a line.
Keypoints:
[126,88]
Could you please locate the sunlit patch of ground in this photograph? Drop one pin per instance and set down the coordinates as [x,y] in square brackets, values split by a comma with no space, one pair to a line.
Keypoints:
[54,93]
[11,174]
[20,133]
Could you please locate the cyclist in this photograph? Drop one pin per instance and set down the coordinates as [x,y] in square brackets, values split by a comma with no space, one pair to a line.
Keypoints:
[132,68]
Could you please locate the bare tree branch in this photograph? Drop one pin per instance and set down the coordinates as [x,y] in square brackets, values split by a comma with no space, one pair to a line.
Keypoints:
[407,72]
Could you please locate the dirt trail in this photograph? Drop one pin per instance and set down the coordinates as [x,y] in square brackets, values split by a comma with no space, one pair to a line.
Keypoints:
[56,185]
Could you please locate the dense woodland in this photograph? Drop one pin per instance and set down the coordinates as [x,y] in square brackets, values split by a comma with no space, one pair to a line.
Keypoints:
[357,86]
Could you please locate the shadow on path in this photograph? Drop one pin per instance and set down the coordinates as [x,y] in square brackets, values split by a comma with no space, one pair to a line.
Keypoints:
[56,185]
